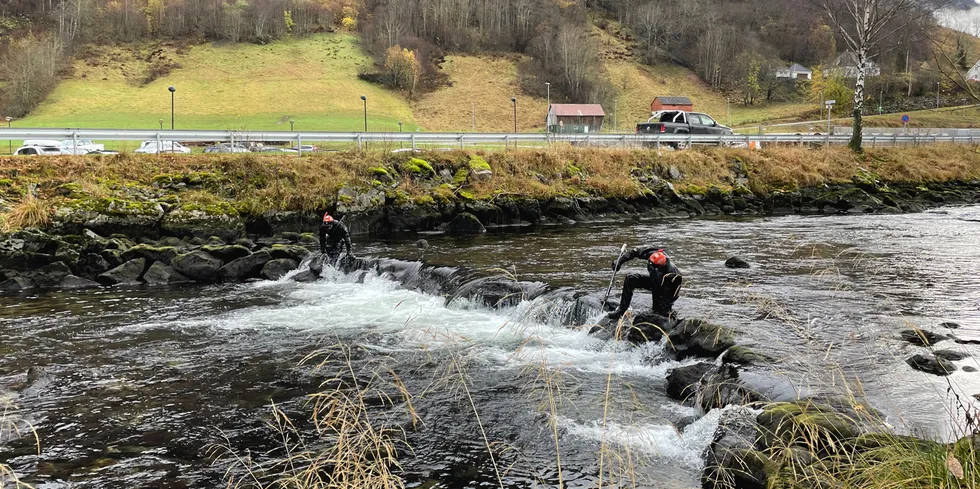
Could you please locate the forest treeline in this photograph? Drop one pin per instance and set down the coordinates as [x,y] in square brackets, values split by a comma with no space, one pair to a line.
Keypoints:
[733,45]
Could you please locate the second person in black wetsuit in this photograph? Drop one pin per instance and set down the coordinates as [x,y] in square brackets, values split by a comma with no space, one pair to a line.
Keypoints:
[334,236]
[664,280]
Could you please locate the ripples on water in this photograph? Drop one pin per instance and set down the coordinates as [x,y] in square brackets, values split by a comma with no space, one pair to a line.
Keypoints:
[140,380]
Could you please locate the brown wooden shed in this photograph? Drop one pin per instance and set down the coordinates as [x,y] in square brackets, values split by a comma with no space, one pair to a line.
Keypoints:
[671,103]
[575,118]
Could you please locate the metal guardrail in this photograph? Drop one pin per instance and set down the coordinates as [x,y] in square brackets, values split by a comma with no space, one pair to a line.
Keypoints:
[462,139]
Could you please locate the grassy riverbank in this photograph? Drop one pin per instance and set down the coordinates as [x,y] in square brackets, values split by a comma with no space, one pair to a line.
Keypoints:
[31,188]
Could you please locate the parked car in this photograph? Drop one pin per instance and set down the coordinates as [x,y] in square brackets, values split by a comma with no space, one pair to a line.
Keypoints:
[41,142]
[226,148]
[306,148]
[85,146]
[42,150]
[682,122]
[273,149]
[150,147]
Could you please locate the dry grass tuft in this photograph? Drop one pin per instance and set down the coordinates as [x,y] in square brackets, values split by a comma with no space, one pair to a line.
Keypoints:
[30,213]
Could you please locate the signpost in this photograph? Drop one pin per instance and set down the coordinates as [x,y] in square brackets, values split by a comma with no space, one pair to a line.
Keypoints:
[830,108]
[905,122]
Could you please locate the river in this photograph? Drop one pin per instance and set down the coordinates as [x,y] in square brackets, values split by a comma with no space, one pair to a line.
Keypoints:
[140,385]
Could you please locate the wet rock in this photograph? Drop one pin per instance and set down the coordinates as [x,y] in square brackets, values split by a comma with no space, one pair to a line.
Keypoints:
[931,365]
[969,369]
[953,356]
[731,459]
[112,256]
[246,243]
[743,356]
[682,382]
[160,273]
[16,284]
[24,260]
[721,387]
[950,325]
[11,245]
[226,253]
[198,266]
[75,282]
[289,252]
[224,223]
[305,277]
[91,265]
[921,337]
[648,326]
[822,427]
[164,254]
[49,276]
[736,262]
[675,173]
[422,244]
[465,223]
[246,267]
[110,216]
[694,337]
[278,268]
[126,274]
[289,236]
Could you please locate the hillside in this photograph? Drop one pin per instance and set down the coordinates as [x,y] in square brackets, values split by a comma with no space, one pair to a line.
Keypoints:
[312,81]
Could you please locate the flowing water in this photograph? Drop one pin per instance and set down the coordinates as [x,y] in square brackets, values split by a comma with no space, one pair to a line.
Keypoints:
[140,384]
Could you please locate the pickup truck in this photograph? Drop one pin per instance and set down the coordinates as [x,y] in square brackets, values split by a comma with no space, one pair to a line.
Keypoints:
[680,122]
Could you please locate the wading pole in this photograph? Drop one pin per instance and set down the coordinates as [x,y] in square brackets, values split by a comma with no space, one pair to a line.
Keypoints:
[622,251]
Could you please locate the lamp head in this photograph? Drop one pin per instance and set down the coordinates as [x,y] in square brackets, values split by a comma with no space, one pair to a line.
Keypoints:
[364,97]
[172,89]
[513,99]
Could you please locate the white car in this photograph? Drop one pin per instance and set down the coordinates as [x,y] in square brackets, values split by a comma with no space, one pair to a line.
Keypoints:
[150,147]
[36,150]
[41,142]
[85,146]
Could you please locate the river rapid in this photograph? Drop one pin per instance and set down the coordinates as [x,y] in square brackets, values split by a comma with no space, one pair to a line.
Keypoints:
[138,386]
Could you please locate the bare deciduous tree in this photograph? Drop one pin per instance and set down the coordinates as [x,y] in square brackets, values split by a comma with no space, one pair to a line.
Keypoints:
[864,25]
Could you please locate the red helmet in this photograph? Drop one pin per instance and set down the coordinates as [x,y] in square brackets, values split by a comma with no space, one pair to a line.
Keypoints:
[659,258]
[327,218]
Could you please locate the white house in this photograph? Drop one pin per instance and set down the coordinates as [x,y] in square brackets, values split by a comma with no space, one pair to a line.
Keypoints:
[795,71]
[974,73]
[846,65]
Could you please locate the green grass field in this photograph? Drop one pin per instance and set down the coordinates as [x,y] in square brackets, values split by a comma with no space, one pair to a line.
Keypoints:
[246,87]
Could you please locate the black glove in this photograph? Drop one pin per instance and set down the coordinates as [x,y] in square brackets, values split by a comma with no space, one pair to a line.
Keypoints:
[616,265]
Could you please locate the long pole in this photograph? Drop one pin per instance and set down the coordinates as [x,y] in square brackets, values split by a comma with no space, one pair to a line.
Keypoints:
[365,116]
[613,279]
[937,93]
[473,123]
[10,144]
[514,100]
[171,110]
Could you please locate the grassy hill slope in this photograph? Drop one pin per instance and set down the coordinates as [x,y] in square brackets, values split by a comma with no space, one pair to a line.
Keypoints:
[235,86]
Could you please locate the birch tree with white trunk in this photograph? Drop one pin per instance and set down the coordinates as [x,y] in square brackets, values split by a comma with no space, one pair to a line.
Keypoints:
[864,25]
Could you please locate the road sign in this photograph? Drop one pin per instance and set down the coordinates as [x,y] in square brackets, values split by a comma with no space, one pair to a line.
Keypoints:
[830,102]
[906,119]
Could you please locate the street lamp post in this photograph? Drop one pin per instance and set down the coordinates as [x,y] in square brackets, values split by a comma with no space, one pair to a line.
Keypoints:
[161,124]
[291,122]
[547,87]
[364,99]
[10,144]
[937,93]
[172,90]
[514,101]
[399,131]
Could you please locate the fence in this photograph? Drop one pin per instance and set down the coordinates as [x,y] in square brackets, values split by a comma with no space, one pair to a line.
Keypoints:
[460,140]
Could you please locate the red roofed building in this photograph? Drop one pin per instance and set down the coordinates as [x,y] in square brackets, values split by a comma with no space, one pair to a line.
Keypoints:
[575,118]
[671,103]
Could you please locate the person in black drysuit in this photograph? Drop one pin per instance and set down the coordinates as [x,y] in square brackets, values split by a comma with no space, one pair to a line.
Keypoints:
[664,280]
[333,237]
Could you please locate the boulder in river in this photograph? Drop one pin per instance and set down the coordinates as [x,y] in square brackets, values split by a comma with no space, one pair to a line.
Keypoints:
[930,364]
[91,265]
[288,252]
[198,266]
[16,284]
[160,273]
[682,382]
[226,253]
[422,244]
[246,267]
[694,337]
[953,356]
[278,268]
[164,254]
[49,276]
[125,274]
[921,337]
[731,460]
[736,262]
[465,223]
[74,282]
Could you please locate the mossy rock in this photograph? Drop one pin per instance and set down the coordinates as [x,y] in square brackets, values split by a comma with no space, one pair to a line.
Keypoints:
[70,190]
[163,254]
[478,164]
[6,182]
[425,200]
[819,428]
[226,253]
[744,356]
[377,171]
[289,252]
[459,178]
[417,167]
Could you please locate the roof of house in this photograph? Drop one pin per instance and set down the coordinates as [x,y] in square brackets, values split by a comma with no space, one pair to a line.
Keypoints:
[674,100]
[578,110]
[974,73]
[796,67]
[850,59]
